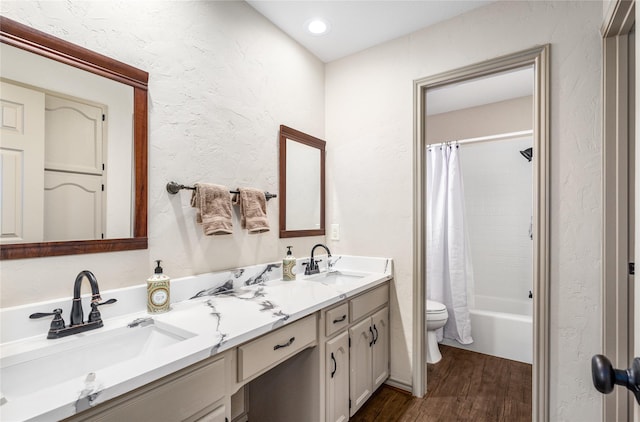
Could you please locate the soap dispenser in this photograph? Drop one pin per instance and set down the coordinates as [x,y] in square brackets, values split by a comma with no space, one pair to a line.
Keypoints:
[158,291]
[288,265]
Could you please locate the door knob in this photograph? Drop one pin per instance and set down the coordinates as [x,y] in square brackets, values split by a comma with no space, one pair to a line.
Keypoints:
[605,377]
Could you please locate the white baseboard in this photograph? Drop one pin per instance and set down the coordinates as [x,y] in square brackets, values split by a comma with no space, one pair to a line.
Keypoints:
[399,385]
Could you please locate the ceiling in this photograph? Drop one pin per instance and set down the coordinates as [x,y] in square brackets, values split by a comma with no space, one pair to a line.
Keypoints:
[356,25]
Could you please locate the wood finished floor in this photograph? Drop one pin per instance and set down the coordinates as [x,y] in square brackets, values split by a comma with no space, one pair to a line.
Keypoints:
[463,386]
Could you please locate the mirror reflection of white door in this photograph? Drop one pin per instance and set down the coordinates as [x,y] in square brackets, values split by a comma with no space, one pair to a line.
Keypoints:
[73,195]
[73,206]
[21,163]
[73,136]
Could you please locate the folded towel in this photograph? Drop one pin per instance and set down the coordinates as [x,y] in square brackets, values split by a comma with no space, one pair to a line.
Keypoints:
[253,210]
[214,208]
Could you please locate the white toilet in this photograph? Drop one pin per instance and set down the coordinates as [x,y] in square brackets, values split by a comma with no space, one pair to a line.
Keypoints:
[436,318]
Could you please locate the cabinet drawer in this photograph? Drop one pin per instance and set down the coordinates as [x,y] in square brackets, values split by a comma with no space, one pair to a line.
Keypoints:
[176,397]
[368,302]
[270,349]
[336,318]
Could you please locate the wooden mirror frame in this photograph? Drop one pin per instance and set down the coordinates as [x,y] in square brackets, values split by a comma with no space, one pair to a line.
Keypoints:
[26,38]
[296,135]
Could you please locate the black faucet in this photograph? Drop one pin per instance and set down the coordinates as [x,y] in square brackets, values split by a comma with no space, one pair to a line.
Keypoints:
[312,265]
[76,320]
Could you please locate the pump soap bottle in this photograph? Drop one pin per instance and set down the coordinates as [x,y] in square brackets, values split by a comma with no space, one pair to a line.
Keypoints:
[158,291]
[288,265]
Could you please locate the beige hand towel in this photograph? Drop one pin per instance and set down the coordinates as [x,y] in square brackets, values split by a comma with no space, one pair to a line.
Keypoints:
[214,208]
[253,210]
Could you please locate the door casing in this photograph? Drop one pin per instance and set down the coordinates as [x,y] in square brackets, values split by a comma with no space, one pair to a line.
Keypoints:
[617,239]
[539,58]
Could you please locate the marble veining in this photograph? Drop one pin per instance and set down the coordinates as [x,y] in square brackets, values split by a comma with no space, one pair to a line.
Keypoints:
[218,316]
[231,285]
[89,393]
[235,287]
[263,275]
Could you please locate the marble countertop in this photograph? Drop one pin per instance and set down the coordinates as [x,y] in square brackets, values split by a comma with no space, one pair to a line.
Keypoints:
[210,313]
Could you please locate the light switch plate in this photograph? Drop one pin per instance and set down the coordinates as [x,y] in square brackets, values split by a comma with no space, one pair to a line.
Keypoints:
[335,232]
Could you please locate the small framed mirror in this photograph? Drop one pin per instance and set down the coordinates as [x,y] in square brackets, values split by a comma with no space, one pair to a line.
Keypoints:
[302,193]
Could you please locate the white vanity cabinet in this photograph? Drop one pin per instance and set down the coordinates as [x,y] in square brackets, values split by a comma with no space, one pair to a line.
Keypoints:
[369,356]
[380,347]
[356,359]
[337,378]
[323,366]
[263,353]
[196,393]
[217,415]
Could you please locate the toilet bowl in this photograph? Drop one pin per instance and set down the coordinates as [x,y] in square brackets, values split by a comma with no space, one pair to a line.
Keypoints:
[436,318]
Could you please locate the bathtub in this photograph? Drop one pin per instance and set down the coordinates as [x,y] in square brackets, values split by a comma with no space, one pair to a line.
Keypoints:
[501,327]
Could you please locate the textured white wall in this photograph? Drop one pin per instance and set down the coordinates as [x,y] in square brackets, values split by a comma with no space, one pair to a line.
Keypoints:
[221,81]
[507,116]
[369,107]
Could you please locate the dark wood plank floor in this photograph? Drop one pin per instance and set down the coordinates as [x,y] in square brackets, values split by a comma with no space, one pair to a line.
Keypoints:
[463,386]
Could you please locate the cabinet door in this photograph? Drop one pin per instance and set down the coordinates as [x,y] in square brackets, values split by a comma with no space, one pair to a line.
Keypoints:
[176,397]
[217,415]
[360,355]
[380,322]
[337,378]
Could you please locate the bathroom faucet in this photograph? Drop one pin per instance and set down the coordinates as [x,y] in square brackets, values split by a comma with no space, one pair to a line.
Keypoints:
[312,265]
[331,264]
[76,320]
[77,314]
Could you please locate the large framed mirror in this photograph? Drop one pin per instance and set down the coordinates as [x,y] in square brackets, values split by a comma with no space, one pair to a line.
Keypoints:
[302,194]
[86,151]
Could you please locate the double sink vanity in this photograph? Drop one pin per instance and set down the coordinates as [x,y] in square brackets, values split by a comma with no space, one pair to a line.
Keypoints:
[237,345]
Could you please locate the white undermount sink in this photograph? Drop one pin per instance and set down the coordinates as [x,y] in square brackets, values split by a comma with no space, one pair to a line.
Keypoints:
[336,277]
[80,354]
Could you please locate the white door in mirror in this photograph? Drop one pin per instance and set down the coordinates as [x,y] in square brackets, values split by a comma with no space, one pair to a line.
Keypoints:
[21,164]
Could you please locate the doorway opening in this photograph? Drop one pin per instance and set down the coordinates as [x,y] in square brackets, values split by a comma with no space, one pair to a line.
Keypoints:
[534,137]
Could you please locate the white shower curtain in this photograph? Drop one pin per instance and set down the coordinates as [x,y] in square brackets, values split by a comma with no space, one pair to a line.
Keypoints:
[449,271]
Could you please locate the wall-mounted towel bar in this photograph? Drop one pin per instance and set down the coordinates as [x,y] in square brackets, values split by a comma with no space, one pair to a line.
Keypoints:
[173,188]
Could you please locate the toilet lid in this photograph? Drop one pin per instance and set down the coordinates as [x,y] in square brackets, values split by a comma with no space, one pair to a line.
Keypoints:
[433,306]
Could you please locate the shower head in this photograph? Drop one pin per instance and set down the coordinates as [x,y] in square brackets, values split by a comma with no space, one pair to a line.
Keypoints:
[527,153]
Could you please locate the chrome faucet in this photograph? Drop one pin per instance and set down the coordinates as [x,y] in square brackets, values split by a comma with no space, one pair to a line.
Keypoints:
[331,264]
[312,265]
[76,320]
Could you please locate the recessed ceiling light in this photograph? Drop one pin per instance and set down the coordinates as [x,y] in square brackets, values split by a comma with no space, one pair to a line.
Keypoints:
[317,26]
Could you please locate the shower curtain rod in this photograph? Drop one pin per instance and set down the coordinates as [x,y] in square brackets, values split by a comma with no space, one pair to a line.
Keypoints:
[490,137]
